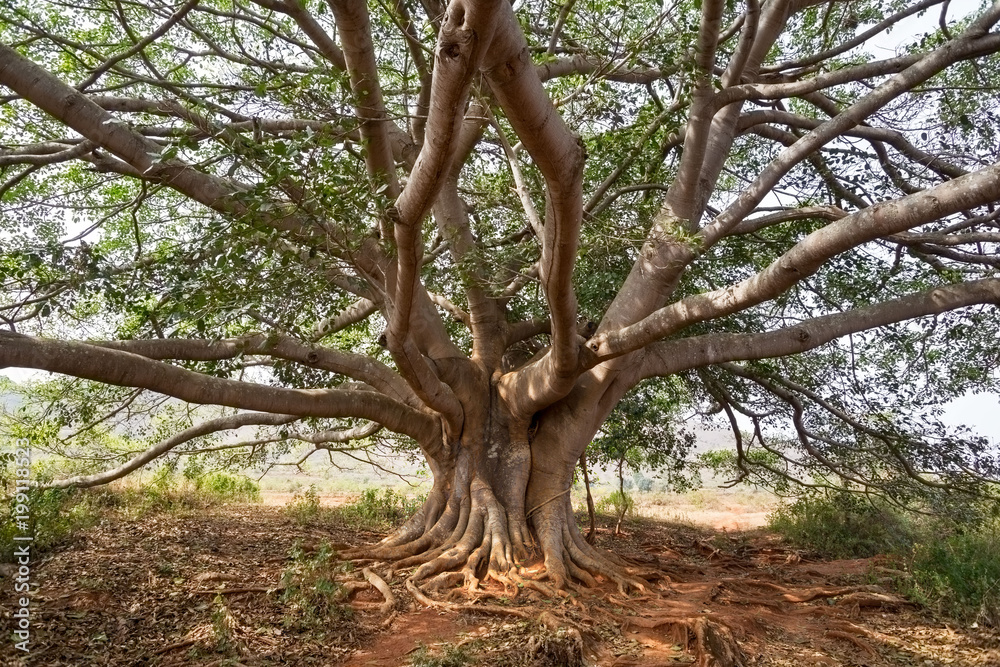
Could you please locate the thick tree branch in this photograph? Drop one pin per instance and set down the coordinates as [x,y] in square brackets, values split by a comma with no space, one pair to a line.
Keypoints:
[673,356]
[81,114]
[559,155]
[310,27]
[684,190]
[806,257]
[359,52]
[125,369]
[356,366]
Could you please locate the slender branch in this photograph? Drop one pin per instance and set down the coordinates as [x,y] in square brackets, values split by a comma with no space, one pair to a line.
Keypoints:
[164,446]
[177,16]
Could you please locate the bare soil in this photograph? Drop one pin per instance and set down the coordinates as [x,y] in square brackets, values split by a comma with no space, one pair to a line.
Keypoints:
[201,588]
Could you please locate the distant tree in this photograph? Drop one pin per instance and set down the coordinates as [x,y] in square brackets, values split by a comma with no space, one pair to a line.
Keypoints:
[480,227]
[643,433]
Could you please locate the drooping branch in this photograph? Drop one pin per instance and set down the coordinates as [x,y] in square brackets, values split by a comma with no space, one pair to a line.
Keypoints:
[881,454]
[323,440]
[673,356]
[125,369]
[208,427]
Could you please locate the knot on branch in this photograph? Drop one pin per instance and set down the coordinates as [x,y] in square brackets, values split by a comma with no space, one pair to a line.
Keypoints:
[451,51]
[454,38]
[510,69]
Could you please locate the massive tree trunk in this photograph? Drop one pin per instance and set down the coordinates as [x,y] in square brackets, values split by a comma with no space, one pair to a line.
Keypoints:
[501,499]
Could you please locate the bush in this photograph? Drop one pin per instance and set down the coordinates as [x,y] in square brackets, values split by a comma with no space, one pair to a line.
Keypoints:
[953,559]
[223,487]
[55,515]
[842,524]
[304,507]
[959,575]
[375,509]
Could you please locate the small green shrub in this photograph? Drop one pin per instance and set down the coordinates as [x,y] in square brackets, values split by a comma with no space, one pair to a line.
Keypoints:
[375,509]
[310,588]
[304,507]
[453,656]
[223,487]
[618,504]
[54,516]
[959,575]
[844,525]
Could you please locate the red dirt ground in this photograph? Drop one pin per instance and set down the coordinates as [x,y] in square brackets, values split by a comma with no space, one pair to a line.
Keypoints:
[144,591]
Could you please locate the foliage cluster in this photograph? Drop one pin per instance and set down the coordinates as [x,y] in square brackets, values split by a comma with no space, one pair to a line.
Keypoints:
[959,575]
[379,509]
[951,560]
[57,514]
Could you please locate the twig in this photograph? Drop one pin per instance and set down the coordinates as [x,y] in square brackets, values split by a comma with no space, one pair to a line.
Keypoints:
[233,591]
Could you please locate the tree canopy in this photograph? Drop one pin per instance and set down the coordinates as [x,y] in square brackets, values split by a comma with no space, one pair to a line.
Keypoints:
[478,226]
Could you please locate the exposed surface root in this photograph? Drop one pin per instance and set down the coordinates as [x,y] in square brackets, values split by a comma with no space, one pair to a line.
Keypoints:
[383,588]
[861,644]
[871,600]
[423,599]
[711,642]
